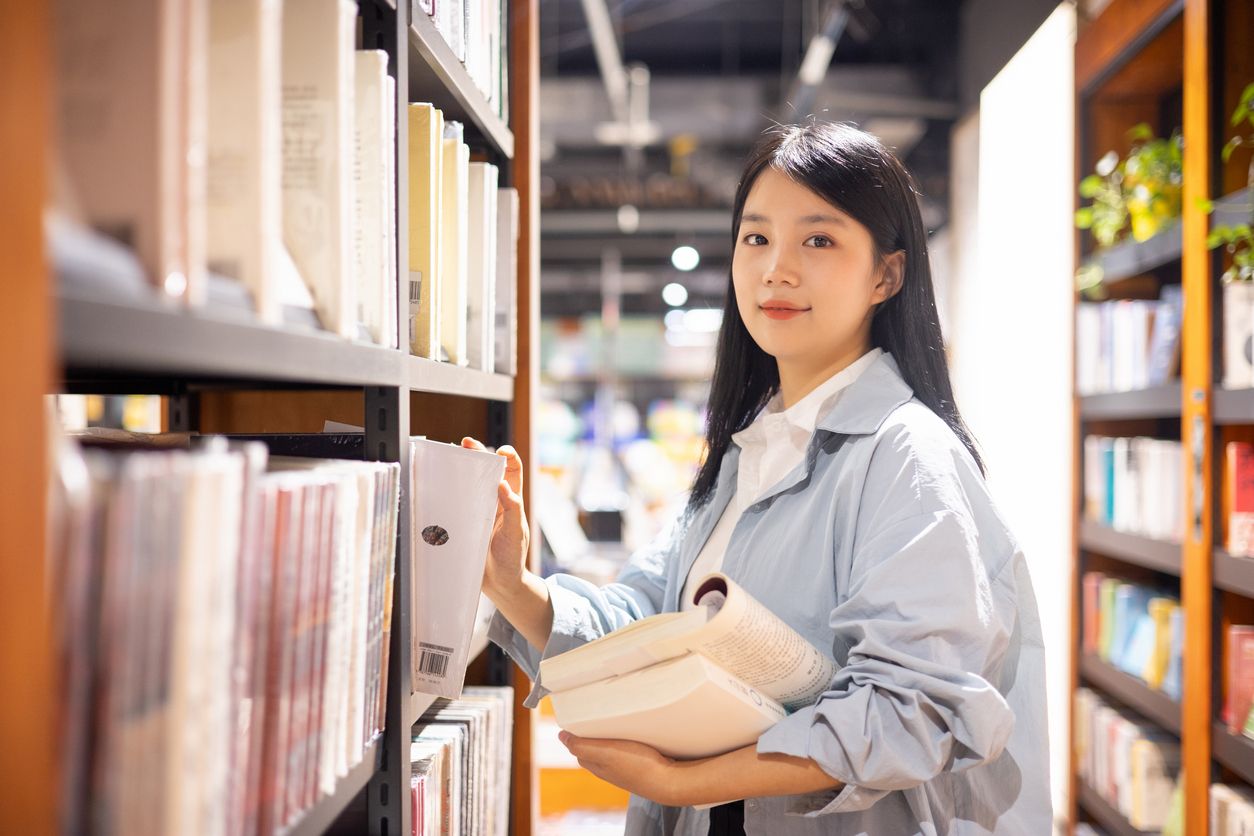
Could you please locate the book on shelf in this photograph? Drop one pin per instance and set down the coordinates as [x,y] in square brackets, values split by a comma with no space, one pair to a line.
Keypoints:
[1135,485]
[318,124]
[374,190]
[1239,478]
[426,214]
[477,35]
[1128,762]
[460,764]
[1231,810]
[1128,344]
[505,329]
[1238,335]
[131,138]
[1133,628]
[454,506]
[454,244]
[693,683]
[481,266]
[245,150]
[1239,651]
[213,591]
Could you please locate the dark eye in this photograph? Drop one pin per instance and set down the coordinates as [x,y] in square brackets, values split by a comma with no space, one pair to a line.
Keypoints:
[820,241]
[754,239]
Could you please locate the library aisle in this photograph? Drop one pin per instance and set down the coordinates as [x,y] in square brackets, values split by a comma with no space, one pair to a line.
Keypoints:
[270,262]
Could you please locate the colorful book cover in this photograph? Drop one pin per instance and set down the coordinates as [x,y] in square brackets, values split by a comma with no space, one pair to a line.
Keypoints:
[1240,467]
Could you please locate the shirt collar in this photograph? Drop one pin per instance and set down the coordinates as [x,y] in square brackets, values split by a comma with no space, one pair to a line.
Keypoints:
[804,416]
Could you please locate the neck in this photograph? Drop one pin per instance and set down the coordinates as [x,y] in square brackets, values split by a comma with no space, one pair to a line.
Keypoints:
[798,378]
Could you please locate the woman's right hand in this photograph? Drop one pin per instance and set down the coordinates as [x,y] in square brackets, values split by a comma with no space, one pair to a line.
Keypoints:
[518,593]
[506,572]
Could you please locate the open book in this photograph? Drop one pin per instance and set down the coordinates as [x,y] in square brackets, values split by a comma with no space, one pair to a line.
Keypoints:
[690,684]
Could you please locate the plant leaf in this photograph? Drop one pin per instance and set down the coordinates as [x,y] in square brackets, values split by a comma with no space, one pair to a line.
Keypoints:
[1141,131]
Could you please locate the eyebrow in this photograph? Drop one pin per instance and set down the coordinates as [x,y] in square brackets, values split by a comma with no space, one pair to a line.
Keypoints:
[754,217]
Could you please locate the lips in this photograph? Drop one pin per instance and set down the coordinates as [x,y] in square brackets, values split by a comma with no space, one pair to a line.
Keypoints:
[776,309]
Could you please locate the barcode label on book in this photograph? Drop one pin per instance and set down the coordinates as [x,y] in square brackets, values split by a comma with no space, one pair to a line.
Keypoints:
[434,659]
[415,286]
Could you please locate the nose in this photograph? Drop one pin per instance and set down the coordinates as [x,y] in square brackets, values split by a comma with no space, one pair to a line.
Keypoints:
[780,271]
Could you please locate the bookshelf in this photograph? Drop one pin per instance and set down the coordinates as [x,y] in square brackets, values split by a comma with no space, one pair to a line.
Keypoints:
[1172,64]
[83,339]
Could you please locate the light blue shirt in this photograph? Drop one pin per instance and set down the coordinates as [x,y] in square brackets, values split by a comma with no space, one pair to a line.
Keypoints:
[883,546]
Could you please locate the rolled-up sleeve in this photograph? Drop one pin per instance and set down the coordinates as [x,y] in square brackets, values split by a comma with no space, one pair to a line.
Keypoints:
[583,611]
[925,627]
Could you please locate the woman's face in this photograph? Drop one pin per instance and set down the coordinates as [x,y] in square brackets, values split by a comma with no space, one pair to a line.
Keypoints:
[806,275]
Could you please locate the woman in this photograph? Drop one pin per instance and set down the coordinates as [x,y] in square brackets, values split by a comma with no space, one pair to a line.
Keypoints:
[842,490]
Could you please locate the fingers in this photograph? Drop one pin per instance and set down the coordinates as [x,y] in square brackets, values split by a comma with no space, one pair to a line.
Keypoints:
[507,500]
[513,468]
[473,444]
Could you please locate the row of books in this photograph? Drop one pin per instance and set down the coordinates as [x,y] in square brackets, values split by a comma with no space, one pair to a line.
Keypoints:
[477,31]
[463,245]
[1238,339]
[1135,628]
[1239,479]
[1231,810]
[1239,696]
[460,765]
[248,144]
[1128,344]
[223,622]
[1135,485]
[1130,763]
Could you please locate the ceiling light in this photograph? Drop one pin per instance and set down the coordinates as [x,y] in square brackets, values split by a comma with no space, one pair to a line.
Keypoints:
[685,258]
[675,294]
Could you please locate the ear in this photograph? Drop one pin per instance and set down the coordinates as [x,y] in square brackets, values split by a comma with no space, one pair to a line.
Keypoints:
[891,277]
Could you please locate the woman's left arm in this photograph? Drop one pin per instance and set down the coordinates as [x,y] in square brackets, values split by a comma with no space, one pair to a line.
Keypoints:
[743,773]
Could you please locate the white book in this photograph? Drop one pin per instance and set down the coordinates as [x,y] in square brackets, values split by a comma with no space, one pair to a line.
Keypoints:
[685,708]
[452,512]
[505,337]
[245,151]
[454,245]
[1238,319]
[372,147]
[391,276]
[318,82]
[131,130]
[481,266]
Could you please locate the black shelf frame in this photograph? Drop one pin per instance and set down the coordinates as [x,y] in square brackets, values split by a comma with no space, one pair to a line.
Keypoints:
[1233,574]
[1104,813]
[1234,751]
[318,818]
[436,76]
[1157,402]
[1158,555]
[1131,692]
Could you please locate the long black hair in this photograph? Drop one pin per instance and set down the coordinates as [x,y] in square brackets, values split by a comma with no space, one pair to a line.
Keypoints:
[853,171]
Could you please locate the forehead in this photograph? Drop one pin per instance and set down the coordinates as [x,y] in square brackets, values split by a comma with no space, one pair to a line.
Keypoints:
[777,197]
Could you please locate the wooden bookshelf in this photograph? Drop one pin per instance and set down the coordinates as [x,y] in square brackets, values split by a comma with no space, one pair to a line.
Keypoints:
[1131,692]
[1104,814]
[1174,64]
[75,336]
[1234,751]
[1159,555]
[1158,402]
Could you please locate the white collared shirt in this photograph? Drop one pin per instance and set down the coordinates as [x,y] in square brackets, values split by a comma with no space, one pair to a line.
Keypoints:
[770,448]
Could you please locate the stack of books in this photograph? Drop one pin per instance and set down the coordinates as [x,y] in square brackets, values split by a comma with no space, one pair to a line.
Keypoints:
[460,762]
[1135,628]
[1131,764]
[477,33]
[224,624]
[1239,653]
[1135,485]
[1231,810]
[1239,497]
[1128,344]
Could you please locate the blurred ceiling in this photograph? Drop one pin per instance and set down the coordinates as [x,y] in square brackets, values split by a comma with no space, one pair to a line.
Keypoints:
[670,141]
